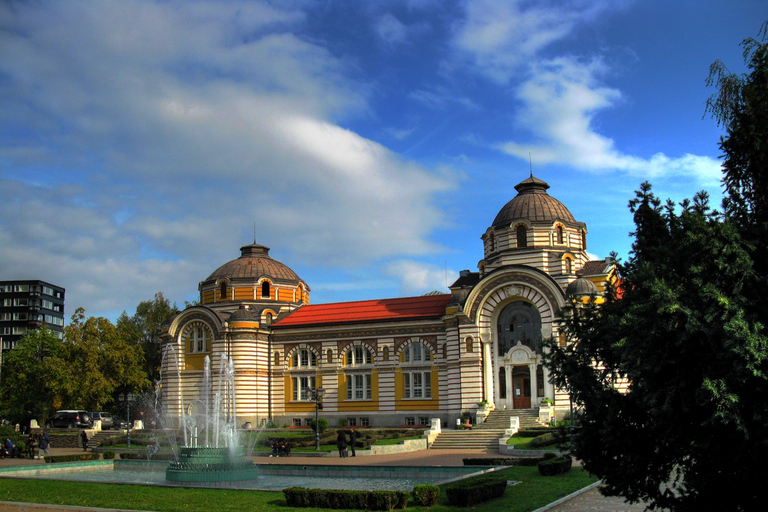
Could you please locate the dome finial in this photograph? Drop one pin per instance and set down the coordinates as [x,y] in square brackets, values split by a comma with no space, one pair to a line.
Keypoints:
[530,163]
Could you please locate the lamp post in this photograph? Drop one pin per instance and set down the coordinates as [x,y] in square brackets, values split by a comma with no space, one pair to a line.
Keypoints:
[317,397]
[126,399]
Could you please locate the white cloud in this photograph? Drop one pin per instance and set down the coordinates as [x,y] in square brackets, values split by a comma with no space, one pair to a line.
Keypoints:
[181,124]
[560,102]
[419,278]
[499,37]
[391,30]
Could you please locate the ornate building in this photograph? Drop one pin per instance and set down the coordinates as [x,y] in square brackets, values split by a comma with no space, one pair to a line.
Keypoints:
[391,362]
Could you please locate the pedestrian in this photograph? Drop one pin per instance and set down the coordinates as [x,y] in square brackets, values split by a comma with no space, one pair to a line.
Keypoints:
[84,439]
[341,444]
[352,440]
[43,442]
[31,444]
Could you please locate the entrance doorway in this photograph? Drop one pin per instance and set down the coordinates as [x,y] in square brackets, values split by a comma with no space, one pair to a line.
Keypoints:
[521,387]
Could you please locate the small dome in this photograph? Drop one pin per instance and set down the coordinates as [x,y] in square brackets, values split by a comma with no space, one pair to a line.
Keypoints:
[582,287]
[241,315]
[254,263]
[532,203]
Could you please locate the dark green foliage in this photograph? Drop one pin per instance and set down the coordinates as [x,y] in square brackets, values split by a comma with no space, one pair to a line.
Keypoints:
[426,495]
[533,432]
[322,422]
[79,457]
[340,499]
[143,456]
[544,440]
[508,461]
[554,466]
[108,454]
[472,491]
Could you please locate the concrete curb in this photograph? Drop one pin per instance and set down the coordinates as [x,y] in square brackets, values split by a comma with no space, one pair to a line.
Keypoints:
[569,497]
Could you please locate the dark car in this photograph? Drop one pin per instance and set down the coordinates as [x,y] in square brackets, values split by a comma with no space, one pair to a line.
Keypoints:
[69,419]
[107,422]
[119,423]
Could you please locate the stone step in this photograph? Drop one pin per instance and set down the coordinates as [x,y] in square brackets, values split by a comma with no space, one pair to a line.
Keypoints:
[467,439]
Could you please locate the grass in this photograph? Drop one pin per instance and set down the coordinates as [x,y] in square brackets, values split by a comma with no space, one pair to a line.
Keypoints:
[534,491]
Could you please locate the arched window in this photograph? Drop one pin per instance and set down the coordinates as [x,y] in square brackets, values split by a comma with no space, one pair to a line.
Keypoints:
[417,353]
[303,358]
[386,353]
[359,355]
[519,321]
[445,351]
[199,336]
[223,290]
[329,356]
[522,236]
[583,240]
[265,291]
[277,358]
[268,318]
[491,243]
[560,234]
[470,344]
[568,266]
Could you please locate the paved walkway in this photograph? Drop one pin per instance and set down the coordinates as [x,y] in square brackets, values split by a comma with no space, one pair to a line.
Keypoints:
[590,500]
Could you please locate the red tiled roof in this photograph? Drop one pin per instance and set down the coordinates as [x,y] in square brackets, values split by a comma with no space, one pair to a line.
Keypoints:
[367,311]
[593,267]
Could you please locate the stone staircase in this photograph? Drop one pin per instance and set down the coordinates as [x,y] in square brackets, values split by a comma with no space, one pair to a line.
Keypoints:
[486,435]
[94,440]
[499,419]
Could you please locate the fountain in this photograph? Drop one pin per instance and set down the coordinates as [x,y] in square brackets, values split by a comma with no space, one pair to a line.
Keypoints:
[221,457]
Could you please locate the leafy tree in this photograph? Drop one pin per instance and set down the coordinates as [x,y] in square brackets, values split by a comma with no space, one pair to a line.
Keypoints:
[100,362]
[32,374]
[144,328]
[685,329]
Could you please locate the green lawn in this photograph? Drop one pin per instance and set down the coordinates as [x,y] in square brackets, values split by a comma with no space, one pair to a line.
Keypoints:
[533,492]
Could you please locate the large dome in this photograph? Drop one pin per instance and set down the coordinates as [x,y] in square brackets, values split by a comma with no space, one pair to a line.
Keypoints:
[532,203]
[255,263]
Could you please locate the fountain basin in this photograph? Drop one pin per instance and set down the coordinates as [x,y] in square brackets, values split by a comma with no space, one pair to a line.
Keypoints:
[210,464]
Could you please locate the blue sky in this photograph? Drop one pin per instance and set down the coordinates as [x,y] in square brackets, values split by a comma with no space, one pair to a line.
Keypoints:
[371,143]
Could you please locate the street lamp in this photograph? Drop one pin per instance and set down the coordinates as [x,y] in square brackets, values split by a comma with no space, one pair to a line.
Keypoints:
[316,395]
[126,399]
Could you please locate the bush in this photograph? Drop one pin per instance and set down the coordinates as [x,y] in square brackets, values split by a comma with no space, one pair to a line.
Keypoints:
[426,495]
[323,425]
[508,461]
[143,456]
[71,458]
[338,499]
[22,446]
[475,490]
[555,466]
[108,454]
[545,440]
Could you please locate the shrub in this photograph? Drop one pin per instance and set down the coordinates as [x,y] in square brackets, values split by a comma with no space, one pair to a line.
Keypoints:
[322,422]
[22,446]
[426,495]
[475,490]
[508,461]
[544,440]
[555,466]
[108,454]
[338,499]
[143,456]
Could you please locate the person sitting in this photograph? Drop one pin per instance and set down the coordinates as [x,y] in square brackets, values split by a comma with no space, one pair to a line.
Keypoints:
[153,448]
[275,449]
[285,448]
[10,449]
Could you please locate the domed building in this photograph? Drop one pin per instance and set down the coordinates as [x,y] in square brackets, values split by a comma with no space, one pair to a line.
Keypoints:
[392,362]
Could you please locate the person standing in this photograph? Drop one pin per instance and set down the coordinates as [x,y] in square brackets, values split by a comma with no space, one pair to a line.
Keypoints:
[341,444]
[352,440]
[84,438]
[43,442]
[31,443]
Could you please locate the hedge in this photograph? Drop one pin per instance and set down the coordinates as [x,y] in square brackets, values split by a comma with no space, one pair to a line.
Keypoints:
[341,499]
[426,495]
[71,458]
[508,461]
[475,490]
[556,466]
[143,456]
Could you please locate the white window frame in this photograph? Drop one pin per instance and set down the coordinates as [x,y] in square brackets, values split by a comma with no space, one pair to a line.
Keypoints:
[359,386]
[417,384]
[417,353]
[301,384]
[359,356]
[304,358]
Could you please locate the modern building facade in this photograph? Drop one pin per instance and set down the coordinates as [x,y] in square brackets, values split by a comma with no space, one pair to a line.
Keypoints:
[391,362]
[26,306]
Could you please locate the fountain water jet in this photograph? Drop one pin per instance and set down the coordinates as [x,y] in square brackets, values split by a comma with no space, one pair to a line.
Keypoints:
[221,459]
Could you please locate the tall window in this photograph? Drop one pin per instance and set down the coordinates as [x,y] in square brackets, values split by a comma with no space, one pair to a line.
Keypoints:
[560,234]
[302,387]
[265,289]
[223,291]
[491,243]
[358,356]
[568,265]
[418,384]
[359,386]
[522,236]
[417,353]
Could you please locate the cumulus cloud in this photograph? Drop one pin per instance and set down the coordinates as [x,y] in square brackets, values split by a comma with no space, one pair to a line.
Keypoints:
[560,101]
[183,123]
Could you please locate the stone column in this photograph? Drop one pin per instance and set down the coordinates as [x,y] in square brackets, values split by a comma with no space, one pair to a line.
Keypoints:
[534,385]
[487,341]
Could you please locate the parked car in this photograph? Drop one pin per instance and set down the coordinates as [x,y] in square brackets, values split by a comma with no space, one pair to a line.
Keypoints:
[69,419]
[107,422]
[119,423]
